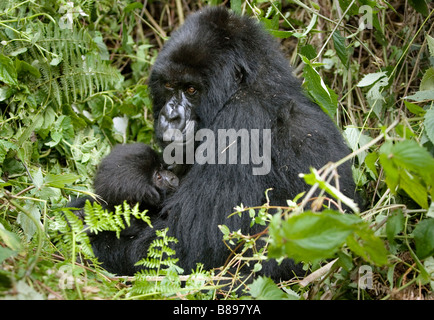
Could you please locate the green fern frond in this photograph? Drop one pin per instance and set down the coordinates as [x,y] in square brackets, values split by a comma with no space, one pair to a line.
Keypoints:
[159,253]
[99,219]
[72,234]
[69,63]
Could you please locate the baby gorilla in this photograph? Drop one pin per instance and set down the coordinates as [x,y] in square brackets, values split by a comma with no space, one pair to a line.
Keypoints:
[134,172]
[131,172]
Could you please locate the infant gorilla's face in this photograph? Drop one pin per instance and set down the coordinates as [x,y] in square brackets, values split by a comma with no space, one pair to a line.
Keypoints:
[164,182]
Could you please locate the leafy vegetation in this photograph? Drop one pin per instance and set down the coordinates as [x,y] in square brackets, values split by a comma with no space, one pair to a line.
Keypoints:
[73,83]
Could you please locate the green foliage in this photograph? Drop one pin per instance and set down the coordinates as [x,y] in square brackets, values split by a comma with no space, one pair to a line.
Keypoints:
[315,236]
[70,70]
[325,97]
[98,219]
[410,167]
[161,278]
[424,238]
[265,289]
[72,232]
[159,262]
[155,255]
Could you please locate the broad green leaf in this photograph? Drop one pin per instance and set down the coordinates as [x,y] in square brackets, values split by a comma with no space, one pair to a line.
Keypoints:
[410,167]
[391,171]
[38,179]
[420,6]
[59,180]
[6,92]
[5,146]
[8,73]
[411,155]
[345,260]
[430,41]
[356,139]
[284,34]
[6,253]
[341,49]
[370,161]
[404,131]
[17,52]
[310,236]
[413,186]
[10,239]
[422,95]
[408,154]
[414,108]
[344,4]
[364,243]
[308,51]
[271,24]
[371,78]
[24,67]
[23,291]
[427,82]
[424,238]
[325,97]
[26,223]
[133,6]
[376,96]
[313,236]
[36,122]
[395,224]
[236,6]
[264,288]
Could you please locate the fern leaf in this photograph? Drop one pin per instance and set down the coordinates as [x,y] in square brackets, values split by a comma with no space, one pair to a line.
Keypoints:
[69,62]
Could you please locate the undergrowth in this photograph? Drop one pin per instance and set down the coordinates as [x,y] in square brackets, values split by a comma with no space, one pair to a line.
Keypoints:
[73,83]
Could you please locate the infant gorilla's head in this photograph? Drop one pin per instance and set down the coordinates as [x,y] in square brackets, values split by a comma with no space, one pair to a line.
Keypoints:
[135,173]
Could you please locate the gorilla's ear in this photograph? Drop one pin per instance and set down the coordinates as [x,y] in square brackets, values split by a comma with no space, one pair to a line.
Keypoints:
[239,74]
[243,73]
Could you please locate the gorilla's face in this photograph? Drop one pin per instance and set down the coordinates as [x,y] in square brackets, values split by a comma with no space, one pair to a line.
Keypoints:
[195,75]
[182,99]
[164,180]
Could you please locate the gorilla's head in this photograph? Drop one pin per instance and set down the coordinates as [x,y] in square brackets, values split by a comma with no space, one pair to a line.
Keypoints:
[200,68]
[134,172]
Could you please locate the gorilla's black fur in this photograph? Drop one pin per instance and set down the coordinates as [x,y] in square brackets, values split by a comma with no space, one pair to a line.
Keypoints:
[243,81]
[222,71]
[135,173]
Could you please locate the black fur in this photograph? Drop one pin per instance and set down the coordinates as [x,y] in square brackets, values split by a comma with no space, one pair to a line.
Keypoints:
[243,82]
[133,172]
[216,48]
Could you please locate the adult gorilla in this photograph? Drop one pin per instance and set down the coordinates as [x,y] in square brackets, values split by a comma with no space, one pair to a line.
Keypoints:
[222,71]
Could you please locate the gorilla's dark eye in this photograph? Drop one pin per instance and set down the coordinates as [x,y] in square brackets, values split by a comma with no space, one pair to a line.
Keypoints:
[168,85]
[191,90]
[158,176]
